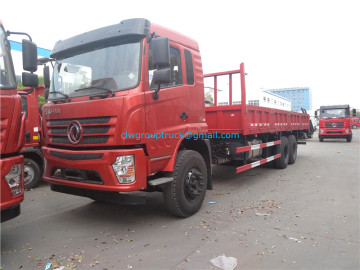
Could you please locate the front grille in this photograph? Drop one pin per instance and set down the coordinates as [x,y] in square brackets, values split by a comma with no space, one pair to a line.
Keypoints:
[76,156]
[95,130]
[334,124]
[334,132]
[85,176]
[89,120]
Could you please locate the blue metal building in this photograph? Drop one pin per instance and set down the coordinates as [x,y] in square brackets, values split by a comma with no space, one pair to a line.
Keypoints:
[301,97]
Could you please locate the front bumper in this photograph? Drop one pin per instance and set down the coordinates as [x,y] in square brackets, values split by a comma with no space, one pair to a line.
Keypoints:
[8,200]
[335,133]
[93,169]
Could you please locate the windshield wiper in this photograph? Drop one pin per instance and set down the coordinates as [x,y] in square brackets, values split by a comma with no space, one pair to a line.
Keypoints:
[98,87]
[58,92]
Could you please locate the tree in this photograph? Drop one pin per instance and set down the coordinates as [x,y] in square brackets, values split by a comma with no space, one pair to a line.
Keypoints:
[208,95]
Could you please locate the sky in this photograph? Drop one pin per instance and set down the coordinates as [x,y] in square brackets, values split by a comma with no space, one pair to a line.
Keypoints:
[282,43]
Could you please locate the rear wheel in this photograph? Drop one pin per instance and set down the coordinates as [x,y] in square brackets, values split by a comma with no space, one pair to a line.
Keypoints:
[31,173]
[283,161]
[292,149]
[185,194]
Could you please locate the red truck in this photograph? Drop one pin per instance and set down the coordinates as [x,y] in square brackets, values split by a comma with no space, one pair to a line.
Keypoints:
[33,157]
[355,122]
[334,122]
[12,124]
[111,130]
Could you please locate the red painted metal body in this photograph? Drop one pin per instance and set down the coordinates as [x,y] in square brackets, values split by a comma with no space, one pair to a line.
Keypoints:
[248,119]
[136,111]
[12,136]
[33,118]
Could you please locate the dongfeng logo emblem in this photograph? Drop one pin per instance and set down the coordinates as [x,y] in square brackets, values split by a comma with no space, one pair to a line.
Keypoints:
[74,132]
[334,124]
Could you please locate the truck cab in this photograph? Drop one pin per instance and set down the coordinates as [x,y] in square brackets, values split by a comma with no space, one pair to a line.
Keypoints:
[12,125]
[355,122]
[335,122]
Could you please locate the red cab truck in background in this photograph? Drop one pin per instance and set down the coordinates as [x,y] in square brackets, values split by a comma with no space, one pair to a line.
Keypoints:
[355,122]
[111,130]
[12,124]
[33,157]
[335,122]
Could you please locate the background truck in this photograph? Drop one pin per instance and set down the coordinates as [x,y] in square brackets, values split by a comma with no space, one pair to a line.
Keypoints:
[355,122]
[33,157]
[110,130]
[12,124]
[334,122]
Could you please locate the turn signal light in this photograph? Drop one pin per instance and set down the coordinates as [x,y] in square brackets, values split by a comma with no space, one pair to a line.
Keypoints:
[14,179]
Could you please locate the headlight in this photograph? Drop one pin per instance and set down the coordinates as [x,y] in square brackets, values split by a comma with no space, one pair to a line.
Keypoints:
[321,131]
[124,169]
[14,178]
[347,130]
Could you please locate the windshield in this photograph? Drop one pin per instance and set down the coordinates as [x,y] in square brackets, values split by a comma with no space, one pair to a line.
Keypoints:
[334,113]
[115,68]
[7,76]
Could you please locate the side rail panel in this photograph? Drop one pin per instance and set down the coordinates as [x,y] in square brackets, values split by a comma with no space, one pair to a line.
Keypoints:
[259,162]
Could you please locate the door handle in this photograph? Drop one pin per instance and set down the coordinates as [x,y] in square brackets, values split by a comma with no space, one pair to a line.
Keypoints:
[184,115]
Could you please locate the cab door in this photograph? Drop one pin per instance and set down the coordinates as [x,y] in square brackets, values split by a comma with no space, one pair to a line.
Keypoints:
[166,117]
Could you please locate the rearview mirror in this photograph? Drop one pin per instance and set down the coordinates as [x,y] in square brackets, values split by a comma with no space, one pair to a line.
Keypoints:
[354,112]
[42,61]
[160,52]
[160,77]
[316,114]
[30,80]
[46,76]
[46,93]
[29,53]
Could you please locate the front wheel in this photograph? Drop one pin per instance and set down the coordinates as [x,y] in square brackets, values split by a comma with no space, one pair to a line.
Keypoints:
[185,194]
[321,139]
[354,127]
[32,173]
[349,138]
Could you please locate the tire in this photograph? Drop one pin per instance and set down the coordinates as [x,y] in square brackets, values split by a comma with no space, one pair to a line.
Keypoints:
[283,161]
[185,194]
[349,138]
[354,127]
[321,139]
[292,149]
[32,173]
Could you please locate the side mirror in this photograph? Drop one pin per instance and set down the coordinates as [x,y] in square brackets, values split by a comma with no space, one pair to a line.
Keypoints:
[161,52]
[29,53]
[316,114]
[161,76]
[42,61]
[354,112]
[30,80]
[46,76]
[46,93]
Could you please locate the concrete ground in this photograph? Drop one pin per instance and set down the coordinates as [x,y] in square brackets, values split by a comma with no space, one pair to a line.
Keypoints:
[303,217]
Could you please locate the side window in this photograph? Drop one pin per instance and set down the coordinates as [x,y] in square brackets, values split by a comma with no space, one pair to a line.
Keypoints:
[189,68]
[175,67]
[24,106]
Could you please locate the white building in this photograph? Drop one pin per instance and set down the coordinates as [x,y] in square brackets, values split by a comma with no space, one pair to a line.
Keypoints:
[270,100]
[261,97]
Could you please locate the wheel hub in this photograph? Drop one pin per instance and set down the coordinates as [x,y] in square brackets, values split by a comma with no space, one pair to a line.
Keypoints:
[28,174]
[194,184]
